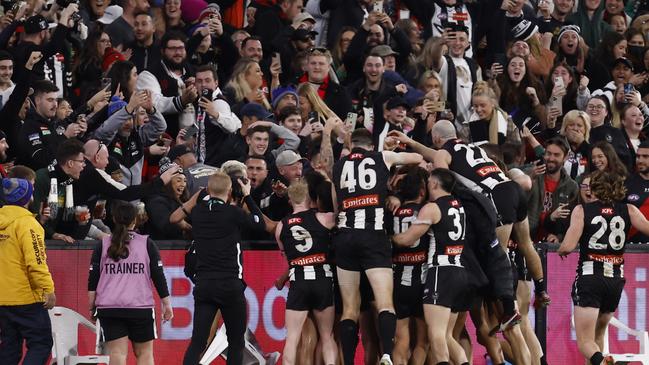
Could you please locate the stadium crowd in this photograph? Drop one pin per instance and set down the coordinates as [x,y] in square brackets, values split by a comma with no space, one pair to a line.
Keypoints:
[298,109]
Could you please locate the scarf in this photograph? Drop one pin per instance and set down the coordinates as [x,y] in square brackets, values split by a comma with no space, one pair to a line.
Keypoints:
[322,88]
[497,125]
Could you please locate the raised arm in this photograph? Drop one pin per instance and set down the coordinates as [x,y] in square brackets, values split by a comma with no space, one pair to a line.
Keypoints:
[428,215]
[427,153]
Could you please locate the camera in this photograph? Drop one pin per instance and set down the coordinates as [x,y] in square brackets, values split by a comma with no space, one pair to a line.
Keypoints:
[237,193]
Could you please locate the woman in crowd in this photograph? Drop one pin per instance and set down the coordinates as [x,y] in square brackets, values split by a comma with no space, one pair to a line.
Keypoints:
[171,18]
[520,93]
[572,89]
[245,85]
[612,47]
[122,298]
[339,49]
[160,206]
[88,70]
[570,47]
[489,123]
[600,229]
[604,158]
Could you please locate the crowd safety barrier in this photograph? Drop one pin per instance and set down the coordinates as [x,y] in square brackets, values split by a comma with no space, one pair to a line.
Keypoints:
[263,264]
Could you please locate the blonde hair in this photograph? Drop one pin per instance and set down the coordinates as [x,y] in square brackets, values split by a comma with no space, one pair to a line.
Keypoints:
[219,183]
[482,88]
[572,116]
[317,105]
[432,74]
[238,80]
[298,192]
[234,166]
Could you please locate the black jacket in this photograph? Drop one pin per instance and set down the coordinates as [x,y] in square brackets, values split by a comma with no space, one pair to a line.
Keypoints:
[23,50]
[38,140]
[10,122]
[614,136]
[159,208]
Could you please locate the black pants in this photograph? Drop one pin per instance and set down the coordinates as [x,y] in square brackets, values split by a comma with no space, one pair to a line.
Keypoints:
[209,297]
[29,323]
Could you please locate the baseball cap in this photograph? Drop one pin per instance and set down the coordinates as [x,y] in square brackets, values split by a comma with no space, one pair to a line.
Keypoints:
[111,14]
[178,150]
[302,17]
[286,158]
[397,101]
[17,191]
[36,24]
[624,61]
[303,34]
[254,110]
[383,50]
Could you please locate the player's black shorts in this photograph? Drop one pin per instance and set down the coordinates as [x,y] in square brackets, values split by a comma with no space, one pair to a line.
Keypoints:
[408,298]
[359,250]
[510,203]
[446,286]
[137,329]
[597,292]
[306,295]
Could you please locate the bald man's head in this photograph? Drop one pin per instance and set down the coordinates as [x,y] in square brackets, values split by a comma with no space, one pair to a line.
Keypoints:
[97,153]
[441,132]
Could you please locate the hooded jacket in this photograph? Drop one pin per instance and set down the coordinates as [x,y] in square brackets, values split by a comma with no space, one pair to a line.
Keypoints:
[592,30]
[23,262]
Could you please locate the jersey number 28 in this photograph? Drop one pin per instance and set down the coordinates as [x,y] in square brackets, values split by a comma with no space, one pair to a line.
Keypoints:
[616,238]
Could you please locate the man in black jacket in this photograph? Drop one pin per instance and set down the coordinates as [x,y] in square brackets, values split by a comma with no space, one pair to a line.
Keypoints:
[37,38]
[217,227]
[317,74]
[146,52]
[41,134]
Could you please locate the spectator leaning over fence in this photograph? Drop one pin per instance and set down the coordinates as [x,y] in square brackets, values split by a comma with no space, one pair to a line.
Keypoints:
[26,288]
[120,291]
[552,195]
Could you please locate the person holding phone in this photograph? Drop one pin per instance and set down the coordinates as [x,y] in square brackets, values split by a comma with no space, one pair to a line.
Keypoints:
[122,268]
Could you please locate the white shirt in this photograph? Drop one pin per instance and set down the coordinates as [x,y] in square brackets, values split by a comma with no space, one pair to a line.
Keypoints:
[464,86]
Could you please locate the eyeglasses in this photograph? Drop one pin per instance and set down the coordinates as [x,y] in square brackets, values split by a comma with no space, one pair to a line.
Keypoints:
[318,50]
[101,144]
[584,186]
[595,107]
[83,162]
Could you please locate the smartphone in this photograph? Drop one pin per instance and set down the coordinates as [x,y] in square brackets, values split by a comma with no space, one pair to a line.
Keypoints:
[106,83]
[207,93]
[313,117]
[628,88]
[378,6]
[404,14]
[558,81]
[350,121]
[276,60]
[556,103]
[437,106]
[190,132]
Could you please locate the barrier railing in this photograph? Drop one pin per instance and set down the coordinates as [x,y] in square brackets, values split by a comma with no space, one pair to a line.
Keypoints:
[263,264]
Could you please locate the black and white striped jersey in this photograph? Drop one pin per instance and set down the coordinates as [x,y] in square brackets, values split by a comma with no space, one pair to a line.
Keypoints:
[473,167]
[602,242]
[407,262]
[361,181]
[306,245]
[449,234]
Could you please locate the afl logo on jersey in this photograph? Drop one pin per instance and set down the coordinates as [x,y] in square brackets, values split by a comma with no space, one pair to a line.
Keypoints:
[607,211]
[633,197]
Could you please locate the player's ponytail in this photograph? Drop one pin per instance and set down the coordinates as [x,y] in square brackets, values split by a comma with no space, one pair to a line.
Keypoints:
[123,216]
[607,187]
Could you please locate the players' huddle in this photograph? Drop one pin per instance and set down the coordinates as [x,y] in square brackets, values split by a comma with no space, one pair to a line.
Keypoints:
[409,252]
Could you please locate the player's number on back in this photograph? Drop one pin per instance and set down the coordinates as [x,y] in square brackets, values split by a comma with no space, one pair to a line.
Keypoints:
[400,227]
[366,175]
[458,223]
[301,234]
[616,238]
[474,155]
